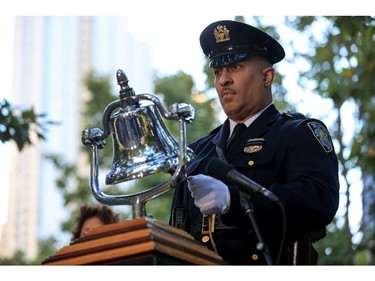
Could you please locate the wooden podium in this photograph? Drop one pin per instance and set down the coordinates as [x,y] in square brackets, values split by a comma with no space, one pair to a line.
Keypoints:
[142,241]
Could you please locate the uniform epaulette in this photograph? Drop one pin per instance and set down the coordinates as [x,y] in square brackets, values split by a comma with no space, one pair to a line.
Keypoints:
[293,115]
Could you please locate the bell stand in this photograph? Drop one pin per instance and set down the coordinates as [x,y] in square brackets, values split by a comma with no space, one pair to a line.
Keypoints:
[95,138]
[141,240]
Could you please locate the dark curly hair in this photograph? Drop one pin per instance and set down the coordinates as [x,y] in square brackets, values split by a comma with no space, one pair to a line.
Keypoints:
[104,213]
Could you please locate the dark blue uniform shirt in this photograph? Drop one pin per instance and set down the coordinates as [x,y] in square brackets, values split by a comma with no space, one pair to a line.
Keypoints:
[292,157]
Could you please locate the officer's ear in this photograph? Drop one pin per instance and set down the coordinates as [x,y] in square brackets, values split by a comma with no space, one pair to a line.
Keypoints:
[268,75]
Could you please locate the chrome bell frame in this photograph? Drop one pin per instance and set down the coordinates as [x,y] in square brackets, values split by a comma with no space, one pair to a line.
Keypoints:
[96,139]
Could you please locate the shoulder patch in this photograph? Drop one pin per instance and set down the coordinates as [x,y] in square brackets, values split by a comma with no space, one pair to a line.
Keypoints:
[321,134]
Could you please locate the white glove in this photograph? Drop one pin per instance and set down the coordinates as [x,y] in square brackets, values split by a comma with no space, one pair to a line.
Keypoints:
[211,195]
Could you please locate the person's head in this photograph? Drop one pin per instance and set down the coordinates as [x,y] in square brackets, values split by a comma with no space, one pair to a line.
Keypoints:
[92,216]
[242,58]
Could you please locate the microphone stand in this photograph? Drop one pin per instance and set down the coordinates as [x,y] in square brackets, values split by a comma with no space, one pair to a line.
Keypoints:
[249,210]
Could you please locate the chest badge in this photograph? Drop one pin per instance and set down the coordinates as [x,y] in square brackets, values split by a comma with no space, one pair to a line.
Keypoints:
[254,145]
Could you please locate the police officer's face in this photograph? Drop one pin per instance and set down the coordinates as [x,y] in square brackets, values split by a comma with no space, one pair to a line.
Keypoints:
[244,88]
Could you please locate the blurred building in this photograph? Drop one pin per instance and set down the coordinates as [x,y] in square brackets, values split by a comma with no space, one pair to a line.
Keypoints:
[51,57]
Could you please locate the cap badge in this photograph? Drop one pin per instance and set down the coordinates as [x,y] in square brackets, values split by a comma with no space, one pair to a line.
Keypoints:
[221,34]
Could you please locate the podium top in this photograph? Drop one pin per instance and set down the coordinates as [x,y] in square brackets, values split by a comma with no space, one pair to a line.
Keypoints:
[130,241]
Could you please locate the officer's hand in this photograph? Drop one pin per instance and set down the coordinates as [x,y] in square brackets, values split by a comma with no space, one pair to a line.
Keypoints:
[211,195]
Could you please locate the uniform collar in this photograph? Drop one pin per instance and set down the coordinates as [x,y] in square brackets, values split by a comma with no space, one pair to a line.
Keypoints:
[248,122]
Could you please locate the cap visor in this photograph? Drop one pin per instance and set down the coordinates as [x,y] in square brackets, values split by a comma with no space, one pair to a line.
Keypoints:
[227,59]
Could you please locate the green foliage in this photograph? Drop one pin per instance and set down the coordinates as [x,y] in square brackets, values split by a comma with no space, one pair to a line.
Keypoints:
[17,259]
[18,125]
[46,248]
[342,67]
[176,88]
[336,248]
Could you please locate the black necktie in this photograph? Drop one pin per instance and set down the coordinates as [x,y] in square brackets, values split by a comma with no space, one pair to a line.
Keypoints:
[238,129]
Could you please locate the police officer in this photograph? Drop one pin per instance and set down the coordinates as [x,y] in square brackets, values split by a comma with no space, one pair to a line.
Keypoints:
[291,156]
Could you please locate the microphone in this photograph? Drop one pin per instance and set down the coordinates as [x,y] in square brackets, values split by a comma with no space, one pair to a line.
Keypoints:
[227,173]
